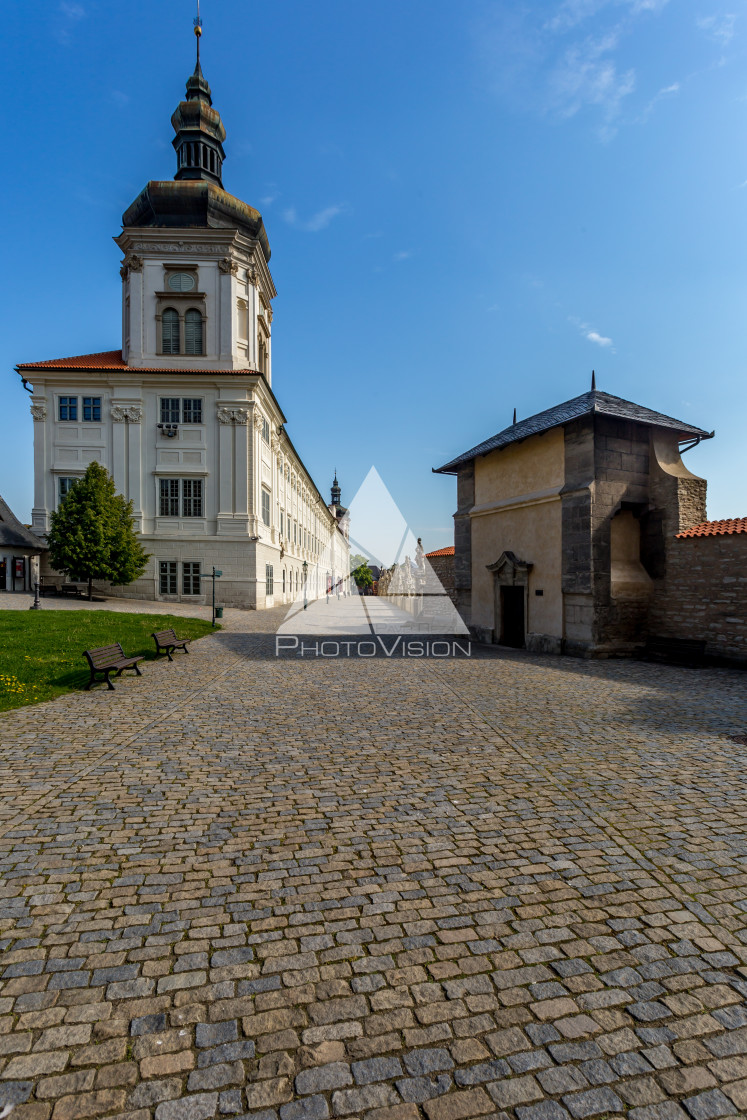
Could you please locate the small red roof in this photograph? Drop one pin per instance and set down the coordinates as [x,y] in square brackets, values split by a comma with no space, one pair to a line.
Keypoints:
[448,551]
[112,360]
[717,528]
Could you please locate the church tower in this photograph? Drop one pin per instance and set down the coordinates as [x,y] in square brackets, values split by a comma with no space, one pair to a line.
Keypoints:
[196,283]
[182,413]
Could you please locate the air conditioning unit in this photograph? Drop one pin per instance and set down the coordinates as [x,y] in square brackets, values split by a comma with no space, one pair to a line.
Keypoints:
[168,430]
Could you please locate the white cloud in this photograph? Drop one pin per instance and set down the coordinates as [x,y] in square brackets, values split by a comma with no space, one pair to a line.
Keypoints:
[720,28]
[70,14]
[71,11]
[566,62]
[667,91]
[587,332]
[316,222]
[587,75]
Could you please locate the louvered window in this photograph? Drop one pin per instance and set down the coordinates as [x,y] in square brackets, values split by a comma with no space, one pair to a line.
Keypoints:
[193,332]
[266,507]
[169,505]
[170,331]
[269,579]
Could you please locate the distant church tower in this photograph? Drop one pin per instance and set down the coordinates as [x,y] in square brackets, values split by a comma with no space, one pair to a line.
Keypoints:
[338,510]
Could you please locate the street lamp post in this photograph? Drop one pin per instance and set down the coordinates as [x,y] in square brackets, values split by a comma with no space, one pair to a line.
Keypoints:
[305,577]
[214,575]
[36,603]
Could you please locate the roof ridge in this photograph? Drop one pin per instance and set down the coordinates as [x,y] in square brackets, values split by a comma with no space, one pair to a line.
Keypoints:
[593,401]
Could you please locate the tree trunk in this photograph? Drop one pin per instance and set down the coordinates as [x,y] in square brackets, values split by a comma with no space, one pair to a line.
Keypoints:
[90,588]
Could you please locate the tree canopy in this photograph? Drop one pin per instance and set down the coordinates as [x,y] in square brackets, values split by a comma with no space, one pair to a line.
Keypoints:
[361,572]
[92,535]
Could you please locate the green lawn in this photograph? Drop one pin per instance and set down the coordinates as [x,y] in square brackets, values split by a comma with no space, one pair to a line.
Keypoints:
[41,652]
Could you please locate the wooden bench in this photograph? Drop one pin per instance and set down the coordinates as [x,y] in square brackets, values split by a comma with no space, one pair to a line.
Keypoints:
[676,651]
[167,642]
[108,660]
[71,589]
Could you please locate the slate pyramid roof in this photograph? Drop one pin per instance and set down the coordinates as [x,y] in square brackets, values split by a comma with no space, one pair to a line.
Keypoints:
[604,404]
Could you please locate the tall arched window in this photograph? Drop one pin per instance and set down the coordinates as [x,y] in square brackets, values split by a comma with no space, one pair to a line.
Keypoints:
[170,331]
[193,332]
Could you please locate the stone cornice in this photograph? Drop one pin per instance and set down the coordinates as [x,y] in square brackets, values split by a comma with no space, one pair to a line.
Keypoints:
[536,498]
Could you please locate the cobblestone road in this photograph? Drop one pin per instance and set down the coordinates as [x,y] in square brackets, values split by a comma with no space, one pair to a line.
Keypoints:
[388,889]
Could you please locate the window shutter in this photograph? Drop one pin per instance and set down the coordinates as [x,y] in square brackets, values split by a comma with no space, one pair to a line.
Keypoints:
[170,331]
[193,332]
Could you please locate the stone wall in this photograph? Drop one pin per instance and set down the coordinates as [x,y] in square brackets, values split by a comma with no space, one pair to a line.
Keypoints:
[703,595]
[443,570]
[463,540]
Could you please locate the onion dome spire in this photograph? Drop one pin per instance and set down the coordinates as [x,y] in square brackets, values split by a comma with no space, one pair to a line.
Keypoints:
[198,127]
[336,492]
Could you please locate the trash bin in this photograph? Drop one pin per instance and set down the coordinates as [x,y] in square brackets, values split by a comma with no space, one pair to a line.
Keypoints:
[219,612]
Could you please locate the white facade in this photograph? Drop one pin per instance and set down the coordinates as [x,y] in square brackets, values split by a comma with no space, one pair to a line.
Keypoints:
[235,449]
[196,441]
[231,289]
[183,415]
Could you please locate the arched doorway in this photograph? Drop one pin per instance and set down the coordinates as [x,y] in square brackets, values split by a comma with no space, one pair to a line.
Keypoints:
[511,578]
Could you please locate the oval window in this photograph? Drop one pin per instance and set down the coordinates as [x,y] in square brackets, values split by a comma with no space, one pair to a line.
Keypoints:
[181,282]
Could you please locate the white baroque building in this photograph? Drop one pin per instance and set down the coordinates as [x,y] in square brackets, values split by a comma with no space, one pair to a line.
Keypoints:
[183,415]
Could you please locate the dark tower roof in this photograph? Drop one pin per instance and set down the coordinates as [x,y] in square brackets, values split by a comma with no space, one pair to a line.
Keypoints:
[336,492]
[199,130]
[196,198]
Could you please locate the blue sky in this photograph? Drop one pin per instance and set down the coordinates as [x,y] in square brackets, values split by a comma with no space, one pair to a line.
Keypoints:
[470,206]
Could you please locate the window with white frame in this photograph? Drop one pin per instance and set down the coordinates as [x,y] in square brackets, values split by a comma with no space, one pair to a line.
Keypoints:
[265,430]
[188,410]
[169,497]
[191,497]
[169,410]
[68,408]
[266,506]
[283,581]
[64,485]
[191,579]
[282,526]
[167,577]
[192,410]
[92,409]
[269,579]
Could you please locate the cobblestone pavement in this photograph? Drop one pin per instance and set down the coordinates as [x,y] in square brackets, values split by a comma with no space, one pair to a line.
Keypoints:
[383,889]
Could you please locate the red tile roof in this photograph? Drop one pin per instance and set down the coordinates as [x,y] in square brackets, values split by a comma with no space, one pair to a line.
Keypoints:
[717,528]
[448,551]
[111,360]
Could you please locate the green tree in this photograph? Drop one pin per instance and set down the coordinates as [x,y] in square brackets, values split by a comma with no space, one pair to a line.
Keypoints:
[92,534]
[361,572]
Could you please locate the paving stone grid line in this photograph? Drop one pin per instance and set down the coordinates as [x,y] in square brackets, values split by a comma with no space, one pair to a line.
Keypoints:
[512,887]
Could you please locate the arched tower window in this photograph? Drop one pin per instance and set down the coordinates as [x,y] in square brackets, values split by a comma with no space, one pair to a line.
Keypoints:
[193,332]
[170,331]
